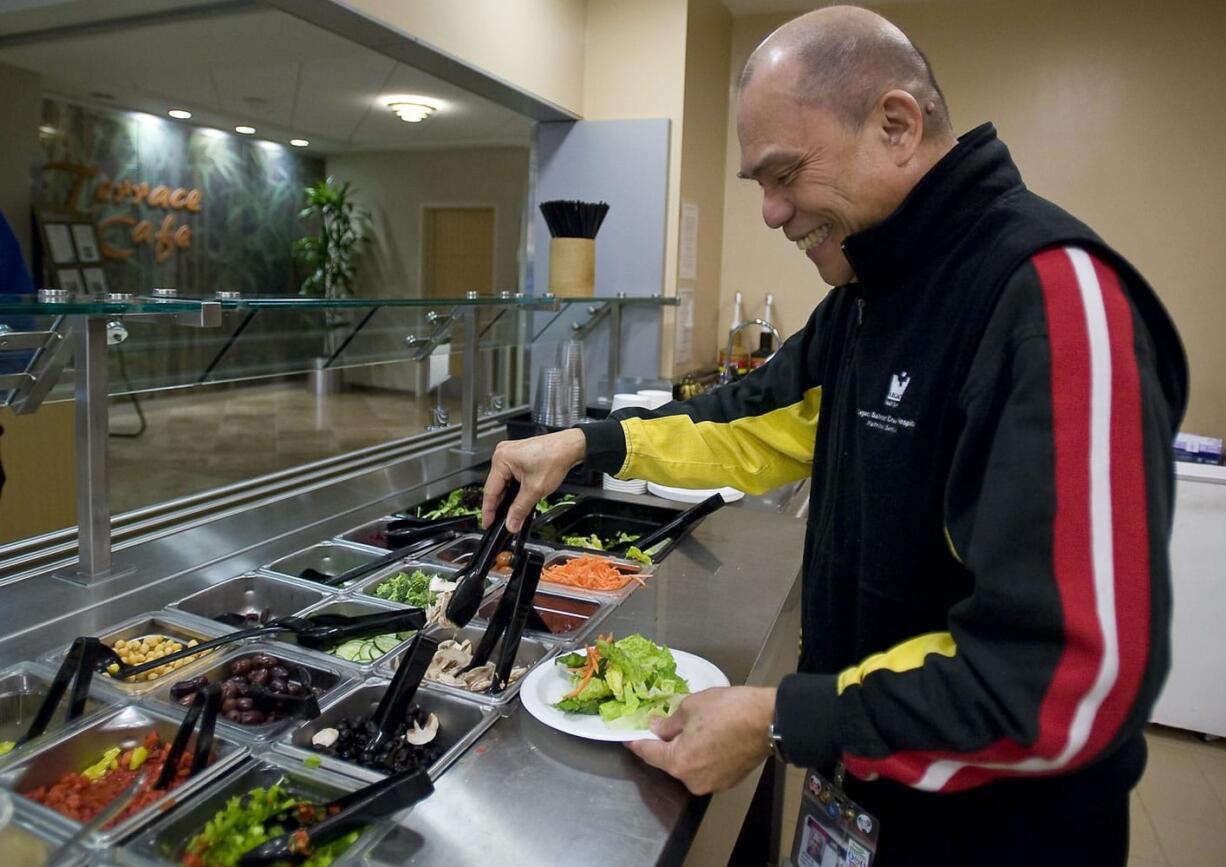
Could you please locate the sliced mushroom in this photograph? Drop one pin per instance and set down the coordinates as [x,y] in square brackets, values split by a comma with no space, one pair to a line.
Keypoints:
[419,736]
[325,738]
[439,584]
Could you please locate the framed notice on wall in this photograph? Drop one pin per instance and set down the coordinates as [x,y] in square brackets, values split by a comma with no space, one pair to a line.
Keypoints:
[70,242]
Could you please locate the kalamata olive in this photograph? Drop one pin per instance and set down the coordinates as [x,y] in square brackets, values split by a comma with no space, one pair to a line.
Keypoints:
[188,687]
[279,671]
[278,686]
[293,687]
[241,666]
[234,715]
[235,681]
[251,718]
[228,690]
[229,705]
[245,703]
[259,676]
[263,660]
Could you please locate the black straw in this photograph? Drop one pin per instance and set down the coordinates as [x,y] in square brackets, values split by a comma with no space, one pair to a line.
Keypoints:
[570,219]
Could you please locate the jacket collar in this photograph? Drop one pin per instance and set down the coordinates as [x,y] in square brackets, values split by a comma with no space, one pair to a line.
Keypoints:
[936,213]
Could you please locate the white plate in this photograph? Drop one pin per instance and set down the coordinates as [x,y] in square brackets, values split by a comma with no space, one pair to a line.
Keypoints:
[546,684]
[693,495]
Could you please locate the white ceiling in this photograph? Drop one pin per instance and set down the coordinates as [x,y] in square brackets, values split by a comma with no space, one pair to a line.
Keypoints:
[254,66]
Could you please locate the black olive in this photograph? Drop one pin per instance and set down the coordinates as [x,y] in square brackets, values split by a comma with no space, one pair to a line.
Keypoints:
[251,718]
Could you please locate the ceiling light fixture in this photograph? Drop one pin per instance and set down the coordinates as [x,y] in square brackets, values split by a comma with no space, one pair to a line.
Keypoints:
[299,142]
[411,107]
[179,114]
[245,130]
[48,130]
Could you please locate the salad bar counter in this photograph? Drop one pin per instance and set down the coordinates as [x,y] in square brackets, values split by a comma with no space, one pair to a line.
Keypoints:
[307,677]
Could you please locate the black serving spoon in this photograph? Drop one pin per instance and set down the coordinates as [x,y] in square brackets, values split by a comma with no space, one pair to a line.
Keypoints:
[410,543]
[318,632]
[400,692]
[353,811]
[466,598]
[677,528]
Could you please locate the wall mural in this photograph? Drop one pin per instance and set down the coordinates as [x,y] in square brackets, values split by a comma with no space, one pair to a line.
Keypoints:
[175,205]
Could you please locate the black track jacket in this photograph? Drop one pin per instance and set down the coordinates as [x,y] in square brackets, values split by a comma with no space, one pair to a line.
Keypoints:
[986,415]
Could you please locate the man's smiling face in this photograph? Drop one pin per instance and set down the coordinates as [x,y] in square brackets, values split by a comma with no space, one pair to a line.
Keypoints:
[821,181]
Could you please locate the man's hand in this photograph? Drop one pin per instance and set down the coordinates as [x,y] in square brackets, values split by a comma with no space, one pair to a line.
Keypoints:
[538,463]
[713,739]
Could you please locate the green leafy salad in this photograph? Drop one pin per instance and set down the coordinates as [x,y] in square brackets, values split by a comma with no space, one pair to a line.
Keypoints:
[459,503]
[595,543]
[627,682]
[246,822]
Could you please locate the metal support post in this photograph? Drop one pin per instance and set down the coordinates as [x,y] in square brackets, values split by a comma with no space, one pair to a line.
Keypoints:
[470,384]
[615,346]
[93,500]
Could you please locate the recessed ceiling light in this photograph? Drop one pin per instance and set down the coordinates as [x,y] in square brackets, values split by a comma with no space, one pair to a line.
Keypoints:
[179,114]
[48,130]
[245,130]
[299,142]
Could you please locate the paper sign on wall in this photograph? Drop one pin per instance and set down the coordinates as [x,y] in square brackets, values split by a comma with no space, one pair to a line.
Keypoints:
[683,344]
[687,258]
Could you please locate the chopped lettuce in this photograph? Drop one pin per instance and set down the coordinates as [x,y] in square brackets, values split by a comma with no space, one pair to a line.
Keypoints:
[634,680]
[543,505]
[459,503]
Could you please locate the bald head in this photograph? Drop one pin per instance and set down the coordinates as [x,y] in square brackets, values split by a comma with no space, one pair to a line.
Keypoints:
[845,58]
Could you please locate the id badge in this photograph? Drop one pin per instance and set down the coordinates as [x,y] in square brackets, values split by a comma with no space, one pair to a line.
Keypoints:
[833,831]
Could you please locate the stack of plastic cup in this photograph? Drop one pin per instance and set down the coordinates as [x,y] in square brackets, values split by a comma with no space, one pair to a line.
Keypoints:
[625,400]
[570,359]
[549,406]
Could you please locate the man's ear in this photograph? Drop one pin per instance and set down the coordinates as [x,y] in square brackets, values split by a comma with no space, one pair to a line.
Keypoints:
[901,124]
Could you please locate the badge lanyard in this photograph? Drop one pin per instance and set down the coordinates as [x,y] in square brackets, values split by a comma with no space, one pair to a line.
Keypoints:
[833,831]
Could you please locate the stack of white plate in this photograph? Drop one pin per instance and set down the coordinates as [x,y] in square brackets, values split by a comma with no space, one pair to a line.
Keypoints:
[623,400]
[693,495]
[656,397]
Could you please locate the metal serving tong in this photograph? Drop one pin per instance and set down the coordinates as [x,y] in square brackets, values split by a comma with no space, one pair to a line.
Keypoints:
[353,811]
[319,632]
[208,701]
[414,541]
[78,669]
[512,614]
[466,598]
[399,694]
[677,528]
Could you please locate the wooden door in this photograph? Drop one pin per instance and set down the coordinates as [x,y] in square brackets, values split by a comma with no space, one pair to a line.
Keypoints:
[458,253]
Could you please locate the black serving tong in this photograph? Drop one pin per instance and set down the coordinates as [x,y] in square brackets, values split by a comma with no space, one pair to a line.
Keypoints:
[353,811]
[675,529]
[208,701]
[466,598]
[319,632]
[512,614]
[400,692]
[78,669]
[412,542]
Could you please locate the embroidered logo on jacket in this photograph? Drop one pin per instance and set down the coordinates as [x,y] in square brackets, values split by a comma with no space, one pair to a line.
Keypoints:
[898,387]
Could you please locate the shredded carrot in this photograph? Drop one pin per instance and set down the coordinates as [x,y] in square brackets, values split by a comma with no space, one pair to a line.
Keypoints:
[590,573]
[591,664]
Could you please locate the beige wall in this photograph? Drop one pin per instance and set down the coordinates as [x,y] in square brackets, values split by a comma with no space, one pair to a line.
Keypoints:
[396,186]
[537,45]
[703,146]
[1109,109]
[20,107]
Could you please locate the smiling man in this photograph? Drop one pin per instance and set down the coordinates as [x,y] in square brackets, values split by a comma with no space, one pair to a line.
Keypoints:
[984,403]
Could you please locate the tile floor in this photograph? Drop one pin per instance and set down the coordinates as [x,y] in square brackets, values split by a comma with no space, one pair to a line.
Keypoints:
[1178,810]
[203,439]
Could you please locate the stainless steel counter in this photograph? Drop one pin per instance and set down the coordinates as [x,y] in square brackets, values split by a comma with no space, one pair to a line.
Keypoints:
[524,794]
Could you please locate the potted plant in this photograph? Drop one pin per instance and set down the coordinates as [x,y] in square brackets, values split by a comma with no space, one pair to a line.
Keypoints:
[329,256]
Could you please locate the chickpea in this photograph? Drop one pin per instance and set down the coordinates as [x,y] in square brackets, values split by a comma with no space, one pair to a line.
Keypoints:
[113,668]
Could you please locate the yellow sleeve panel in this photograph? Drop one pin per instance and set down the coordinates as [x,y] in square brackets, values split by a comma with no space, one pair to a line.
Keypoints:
[902,657]
[752,454]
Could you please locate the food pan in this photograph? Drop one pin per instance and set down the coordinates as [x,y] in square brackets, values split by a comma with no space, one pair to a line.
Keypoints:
[459,554]
[324,680]
[569,618]
[475,494]
[460,724]
[25,843]
[22,690]
[604,518]
[330,558]
[253,594]
[167,841]
[366,588]
[532,652]
[374,533]
[352,606]
[170,624]
[78,749]
[558,557]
